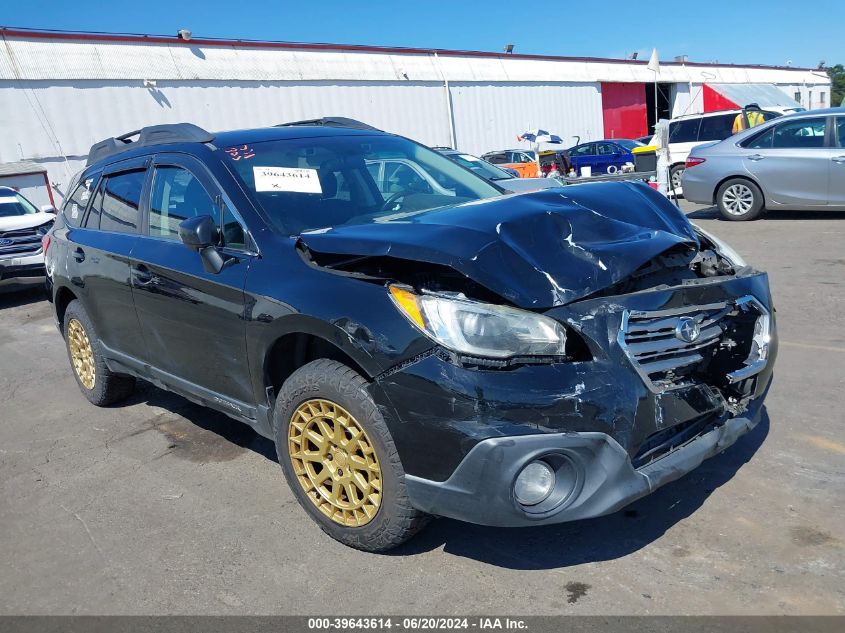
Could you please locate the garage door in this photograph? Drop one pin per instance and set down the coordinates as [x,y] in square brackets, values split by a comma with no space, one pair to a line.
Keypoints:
[624,110]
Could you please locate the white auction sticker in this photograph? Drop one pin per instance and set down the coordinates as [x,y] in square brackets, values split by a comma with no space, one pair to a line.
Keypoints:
[471,159]
[8,200]
[287,179]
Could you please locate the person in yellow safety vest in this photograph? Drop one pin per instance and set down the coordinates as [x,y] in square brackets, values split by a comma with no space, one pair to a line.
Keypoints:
[755,118]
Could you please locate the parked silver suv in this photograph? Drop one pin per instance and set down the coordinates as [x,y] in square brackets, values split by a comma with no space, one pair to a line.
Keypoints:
[794,162]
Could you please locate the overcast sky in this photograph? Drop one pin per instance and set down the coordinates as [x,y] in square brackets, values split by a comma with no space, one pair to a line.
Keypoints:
[765,32]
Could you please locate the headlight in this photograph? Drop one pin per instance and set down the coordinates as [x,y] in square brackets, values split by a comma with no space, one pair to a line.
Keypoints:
[724,249]
[481,329]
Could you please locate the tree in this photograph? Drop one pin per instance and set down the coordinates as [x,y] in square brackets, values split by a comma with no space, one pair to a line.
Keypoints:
[837,84]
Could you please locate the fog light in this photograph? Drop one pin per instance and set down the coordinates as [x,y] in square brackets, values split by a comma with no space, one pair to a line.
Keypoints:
[534,484]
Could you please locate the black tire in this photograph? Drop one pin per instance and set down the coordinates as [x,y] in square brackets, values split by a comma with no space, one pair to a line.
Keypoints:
[107,387]
[395,520]
[675,173]
[739,200]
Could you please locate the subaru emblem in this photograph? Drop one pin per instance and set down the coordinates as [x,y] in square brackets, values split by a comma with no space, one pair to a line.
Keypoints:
[687,329]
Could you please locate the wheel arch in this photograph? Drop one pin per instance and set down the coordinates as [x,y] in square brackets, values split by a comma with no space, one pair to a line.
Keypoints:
[747,177]
[61,301]
[302,340]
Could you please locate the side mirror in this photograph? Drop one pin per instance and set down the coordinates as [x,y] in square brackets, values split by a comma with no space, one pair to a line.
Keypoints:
[48,208]
[200,234]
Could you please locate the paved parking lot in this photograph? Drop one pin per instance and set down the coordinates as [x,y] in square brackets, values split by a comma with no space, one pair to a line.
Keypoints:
[161,506]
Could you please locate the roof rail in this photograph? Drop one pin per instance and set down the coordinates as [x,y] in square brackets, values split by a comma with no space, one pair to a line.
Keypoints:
[333,121]
[147,136]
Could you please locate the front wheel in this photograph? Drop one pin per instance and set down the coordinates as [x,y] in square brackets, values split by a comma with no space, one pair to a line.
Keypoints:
[339,459]
[739,200]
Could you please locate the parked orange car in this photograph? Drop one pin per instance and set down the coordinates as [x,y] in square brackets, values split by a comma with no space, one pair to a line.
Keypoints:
[523,161]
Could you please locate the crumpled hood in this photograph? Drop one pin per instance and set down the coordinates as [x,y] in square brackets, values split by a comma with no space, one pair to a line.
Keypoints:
[537,250]
[15,222]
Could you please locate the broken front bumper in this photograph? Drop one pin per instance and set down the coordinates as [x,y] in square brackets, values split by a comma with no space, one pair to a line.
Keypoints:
[598,480]
[614,431]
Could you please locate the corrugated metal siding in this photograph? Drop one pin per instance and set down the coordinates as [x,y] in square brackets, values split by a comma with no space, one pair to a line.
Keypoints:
[82,113]
[490,116]
[34,59]
[57,97]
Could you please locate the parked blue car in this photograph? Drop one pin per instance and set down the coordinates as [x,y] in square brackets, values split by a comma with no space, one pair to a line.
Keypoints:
[603,156]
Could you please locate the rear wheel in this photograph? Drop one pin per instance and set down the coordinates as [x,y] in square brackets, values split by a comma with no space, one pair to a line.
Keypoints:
[100,385]
[675,174]
[339,459]
[739,199]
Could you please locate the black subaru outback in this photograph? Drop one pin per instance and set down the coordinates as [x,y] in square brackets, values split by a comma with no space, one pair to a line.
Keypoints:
[416,343]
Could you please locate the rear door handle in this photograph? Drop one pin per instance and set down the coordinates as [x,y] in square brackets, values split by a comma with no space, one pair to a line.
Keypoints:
[79,255]
[839,159]
[756,157]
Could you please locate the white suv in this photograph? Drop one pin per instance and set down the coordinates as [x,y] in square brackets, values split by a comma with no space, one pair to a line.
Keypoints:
[685,132]
[22,229]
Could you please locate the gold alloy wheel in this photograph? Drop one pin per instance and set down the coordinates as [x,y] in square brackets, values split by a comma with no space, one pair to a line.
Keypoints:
[81,354]
[335,462]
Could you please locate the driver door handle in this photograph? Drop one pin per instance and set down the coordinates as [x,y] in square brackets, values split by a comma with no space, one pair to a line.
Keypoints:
[839,159]
[756,157]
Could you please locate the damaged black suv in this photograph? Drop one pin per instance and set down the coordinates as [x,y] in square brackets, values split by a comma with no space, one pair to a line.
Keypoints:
[416,343]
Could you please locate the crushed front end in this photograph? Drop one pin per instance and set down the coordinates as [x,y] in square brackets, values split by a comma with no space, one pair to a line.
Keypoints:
[645,346]
[674,376]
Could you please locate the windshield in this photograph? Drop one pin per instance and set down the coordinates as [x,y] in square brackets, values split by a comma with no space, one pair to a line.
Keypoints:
[13,204]
[628,144]
[480,167]
[319,182]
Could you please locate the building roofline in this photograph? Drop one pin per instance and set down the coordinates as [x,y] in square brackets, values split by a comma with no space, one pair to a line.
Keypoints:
[140,38]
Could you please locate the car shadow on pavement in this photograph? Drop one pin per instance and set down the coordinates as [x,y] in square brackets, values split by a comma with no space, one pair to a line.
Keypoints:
[592,540]
[712,213]
[201,424]
[18,298]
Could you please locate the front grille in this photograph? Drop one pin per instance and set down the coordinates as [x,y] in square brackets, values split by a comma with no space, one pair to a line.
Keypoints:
[657,352]
[716,343]
[20,242]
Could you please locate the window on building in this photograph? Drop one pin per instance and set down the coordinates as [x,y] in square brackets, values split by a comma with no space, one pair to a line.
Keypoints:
[822,97]
[121,199]
[798,96]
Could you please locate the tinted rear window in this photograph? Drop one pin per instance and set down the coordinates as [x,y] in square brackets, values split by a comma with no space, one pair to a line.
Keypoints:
[716,128]
[74,209]
[684,131]
[121,200]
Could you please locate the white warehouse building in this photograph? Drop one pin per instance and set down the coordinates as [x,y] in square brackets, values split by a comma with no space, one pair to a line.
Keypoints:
[61,92]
